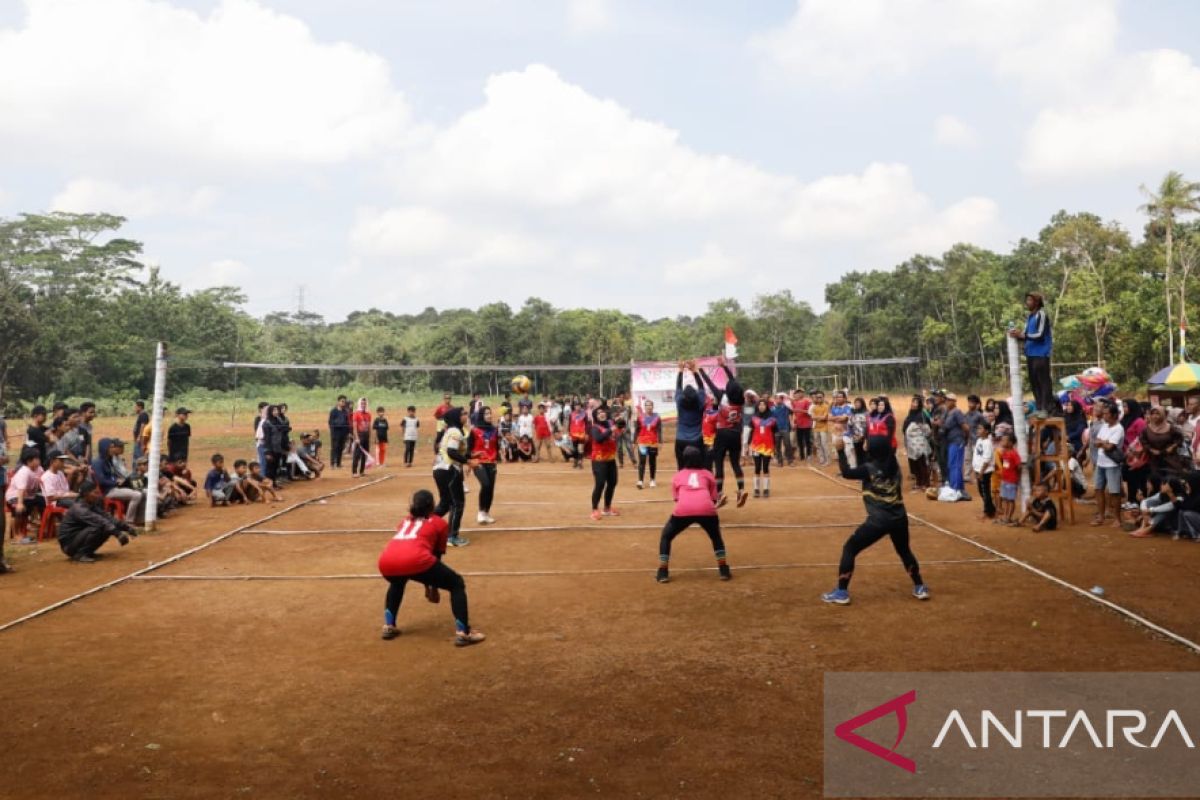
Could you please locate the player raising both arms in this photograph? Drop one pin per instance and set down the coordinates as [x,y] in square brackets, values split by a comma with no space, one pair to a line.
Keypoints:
[695,492]
[415,554]
[729,429]
[882,489]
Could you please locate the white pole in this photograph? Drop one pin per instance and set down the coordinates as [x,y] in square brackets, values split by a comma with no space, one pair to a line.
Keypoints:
[153,454]
[1020,427]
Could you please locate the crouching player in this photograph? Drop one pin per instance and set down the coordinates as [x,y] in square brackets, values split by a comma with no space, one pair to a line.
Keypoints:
[415,554]
[695,491]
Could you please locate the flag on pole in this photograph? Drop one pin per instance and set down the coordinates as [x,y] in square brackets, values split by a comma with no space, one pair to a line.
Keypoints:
[730,343]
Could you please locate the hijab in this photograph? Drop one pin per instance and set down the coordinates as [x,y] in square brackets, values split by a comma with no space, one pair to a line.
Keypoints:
[453,418]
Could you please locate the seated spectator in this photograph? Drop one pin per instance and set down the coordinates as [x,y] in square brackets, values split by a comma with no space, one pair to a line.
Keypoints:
[22,495]
[1042,510]
[217,486]
[110,474]
[181,477]
[243,491]
[168,495]
[56,486]
[262,484]
[525,448]
[309,452]
[1160,511]
[4,567]
[87,526]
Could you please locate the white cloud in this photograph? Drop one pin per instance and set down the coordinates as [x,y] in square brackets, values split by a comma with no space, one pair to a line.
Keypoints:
[711,265]
[242,85]
[951,131]
[588,16]
[974,219]
[418,235]
[94,195]
[849,43]
[1145,115]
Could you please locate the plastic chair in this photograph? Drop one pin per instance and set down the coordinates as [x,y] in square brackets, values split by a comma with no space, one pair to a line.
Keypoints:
[114,507]
[19,527]
[49,527]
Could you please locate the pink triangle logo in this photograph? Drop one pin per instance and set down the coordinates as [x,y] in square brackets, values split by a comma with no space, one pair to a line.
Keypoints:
[897,706]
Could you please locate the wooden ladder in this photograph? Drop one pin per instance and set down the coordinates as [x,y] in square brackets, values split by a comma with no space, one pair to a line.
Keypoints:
[1060,458]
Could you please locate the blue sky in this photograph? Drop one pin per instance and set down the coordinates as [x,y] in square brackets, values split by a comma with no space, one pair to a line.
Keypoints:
[650,156]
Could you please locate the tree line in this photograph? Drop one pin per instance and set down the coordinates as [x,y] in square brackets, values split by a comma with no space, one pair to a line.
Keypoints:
[80,314]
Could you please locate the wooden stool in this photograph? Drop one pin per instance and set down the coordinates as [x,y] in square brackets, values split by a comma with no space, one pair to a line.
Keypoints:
[1061,457]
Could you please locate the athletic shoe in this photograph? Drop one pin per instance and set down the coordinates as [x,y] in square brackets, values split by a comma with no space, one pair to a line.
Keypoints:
[742,498]
[462,639]
[766,492]
[724,570]
[722,501]
[639,484]
[757,493]
[611,512]
[488,519]
[653,485]
[389,632]
[458,541]
[964,498]
[921,591]
[839,597]
[596,514]
[85,558]
[662,576]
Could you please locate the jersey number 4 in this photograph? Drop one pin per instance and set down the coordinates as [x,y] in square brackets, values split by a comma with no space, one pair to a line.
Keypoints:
[693,481]
[409,529]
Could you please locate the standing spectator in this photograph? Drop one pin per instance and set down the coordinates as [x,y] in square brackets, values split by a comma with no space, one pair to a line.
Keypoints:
[820,417]
[179,436]
[339,430]
[916,432]
[802,421]
[1039,344]
[858,429]
[1109,440]
[974,415]
[1076,424]
[381,435]
[1189,426]
[274,438]
[412,427]
[360,425]
[983,464]
[840,414]
[87,413]
[35,434]
[3,489]
[782,413]
[955,433]
[260,445]
[439,427]
[1160,440]
[140,420]
[1136,467]
[937,413]
[543,433]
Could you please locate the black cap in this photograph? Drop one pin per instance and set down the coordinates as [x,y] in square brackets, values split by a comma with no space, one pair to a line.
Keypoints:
[183,410]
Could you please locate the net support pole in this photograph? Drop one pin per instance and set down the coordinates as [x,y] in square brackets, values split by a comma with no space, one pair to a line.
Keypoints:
[1020,427]
[156,424]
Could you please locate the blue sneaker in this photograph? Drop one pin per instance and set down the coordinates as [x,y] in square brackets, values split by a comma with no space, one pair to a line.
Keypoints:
[458,541]
[921,591]
[839,596]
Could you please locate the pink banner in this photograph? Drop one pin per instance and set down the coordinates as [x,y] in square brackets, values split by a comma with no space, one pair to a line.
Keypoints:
[655,380]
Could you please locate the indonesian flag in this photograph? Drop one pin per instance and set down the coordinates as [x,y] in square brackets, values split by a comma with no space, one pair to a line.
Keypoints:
[730,343]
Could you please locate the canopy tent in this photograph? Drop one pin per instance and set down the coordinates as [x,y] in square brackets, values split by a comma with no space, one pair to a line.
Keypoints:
[1173,385]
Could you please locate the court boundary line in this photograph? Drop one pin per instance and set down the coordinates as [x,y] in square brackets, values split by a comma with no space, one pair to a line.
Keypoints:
[584,527]
[548,572]
[774,499]
[179,556]
[1041,573]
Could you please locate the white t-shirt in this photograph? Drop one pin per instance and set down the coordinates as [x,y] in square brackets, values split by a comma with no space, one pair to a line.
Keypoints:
[411,424]
[525,425]
[1109,433]
[983,458]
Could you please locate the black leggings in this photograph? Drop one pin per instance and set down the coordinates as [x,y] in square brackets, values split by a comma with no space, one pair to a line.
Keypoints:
[677,525]
[410,448]
[486,475]
[682,444]
[337,445]
[577,451]
[651,456]
[440,576]
[985,491]
[870,532]
[605,475]
[804,443]
[729,441]
[762,464]
[451,497]
[358,460]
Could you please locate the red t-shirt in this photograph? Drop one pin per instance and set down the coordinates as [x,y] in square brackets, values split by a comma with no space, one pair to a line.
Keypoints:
[541,427]
[1010,466]
[415,547]
[801,413]
[695,493]
[361,421]
[440,410]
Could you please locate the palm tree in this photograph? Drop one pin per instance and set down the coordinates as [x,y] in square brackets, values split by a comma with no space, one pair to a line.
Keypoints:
[1174,196]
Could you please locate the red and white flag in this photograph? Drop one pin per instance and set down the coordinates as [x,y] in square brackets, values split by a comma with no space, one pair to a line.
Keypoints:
[730,343]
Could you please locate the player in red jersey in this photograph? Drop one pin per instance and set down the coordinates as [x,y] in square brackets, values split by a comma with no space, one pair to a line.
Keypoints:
[604,463]
[360,426]
[708,431]
[415,554]
[647,429]
[484,447]
[762,445]
[577,428]
[695,492]
[729,429]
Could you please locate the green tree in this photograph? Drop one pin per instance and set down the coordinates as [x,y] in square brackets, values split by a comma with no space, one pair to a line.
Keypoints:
[1174,196]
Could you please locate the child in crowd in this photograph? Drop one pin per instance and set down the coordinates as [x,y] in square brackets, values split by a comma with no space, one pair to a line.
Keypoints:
[262,484]
[1041,509]
[508,439]
[381,435]
[216,484]
[412,426]
[983,464]
[1010,476]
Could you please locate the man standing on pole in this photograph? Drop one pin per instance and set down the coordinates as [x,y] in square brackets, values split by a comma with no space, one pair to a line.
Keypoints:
[1039,342]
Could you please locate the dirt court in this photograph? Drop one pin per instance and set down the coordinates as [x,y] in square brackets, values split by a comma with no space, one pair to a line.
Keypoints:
[594,681]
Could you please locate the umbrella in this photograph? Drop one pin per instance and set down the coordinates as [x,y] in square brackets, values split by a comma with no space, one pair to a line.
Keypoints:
[1179,377]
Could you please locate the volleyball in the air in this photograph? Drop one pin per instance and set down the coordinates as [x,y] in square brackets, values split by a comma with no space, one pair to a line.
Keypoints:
[521,384]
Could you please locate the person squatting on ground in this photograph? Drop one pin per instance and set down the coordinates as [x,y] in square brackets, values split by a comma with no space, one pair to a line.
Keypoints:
[729,430]
[647,428]
[883,496]
[762,444]
[415,554]
[448,473]
[86,526]
[695,491]
[485,450]
[604,463]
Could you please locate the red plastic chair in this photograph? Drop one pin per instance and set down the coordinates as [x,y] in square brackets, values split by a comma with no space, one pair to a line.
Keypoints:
[18,528]
[49,527]
[115,507]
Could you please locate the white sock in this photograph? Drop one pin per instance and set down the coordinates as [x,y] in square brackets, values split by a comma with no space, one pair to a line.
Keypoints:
[756,483]
[766,484]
